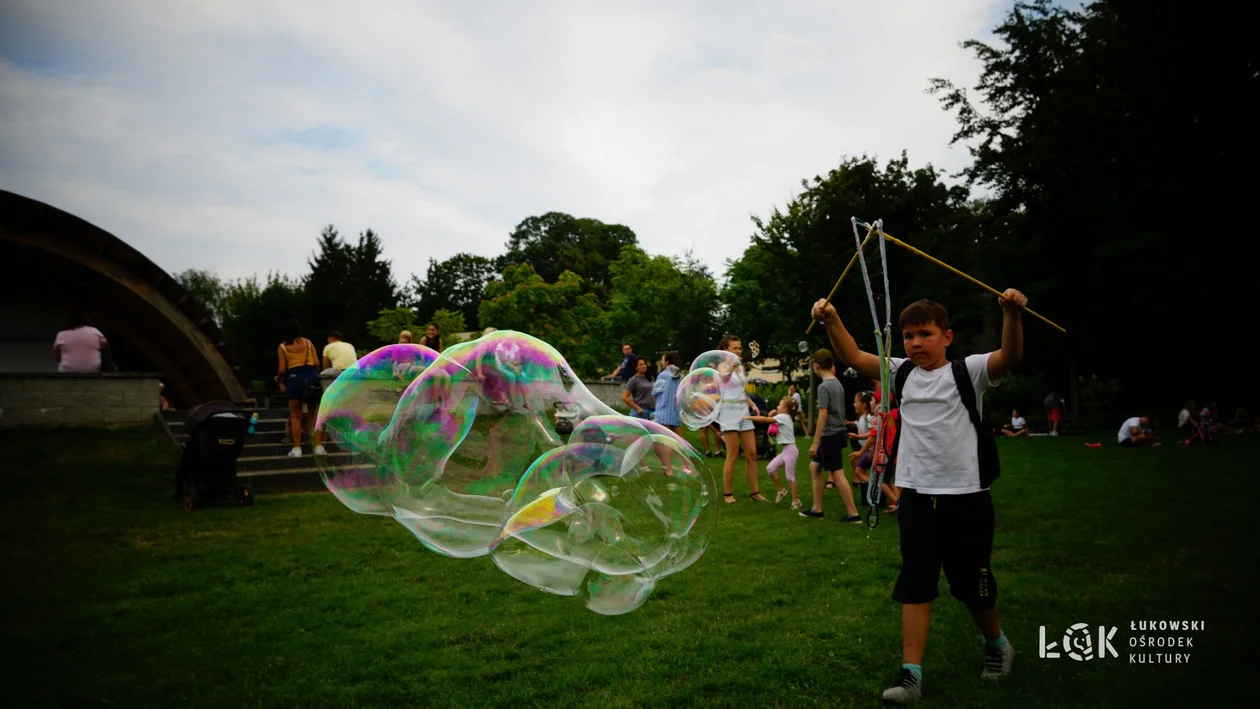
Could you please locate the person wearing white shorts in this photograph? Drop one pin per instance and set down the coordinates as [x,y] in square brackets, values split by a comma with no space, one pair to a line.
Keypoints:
[736,432]
[731,416]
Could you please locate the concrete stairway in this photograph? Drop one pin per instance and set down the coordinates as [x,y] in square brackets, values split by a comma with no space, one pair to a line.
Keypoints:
[264,461]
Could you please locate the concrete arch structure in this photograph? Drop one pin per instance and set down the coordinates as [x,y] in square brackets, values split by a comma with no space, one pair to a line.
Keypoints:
[54,263]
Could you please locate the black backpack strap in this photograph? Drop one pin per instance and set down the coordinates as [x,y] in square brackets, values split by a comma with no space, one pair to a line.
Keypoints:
[966,392]
[987,444]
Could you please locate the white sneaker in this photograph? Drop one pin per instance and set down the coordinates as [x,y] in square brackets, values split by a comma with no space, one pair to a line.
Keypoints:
[907,689]
[1054,433]
[319,450]
[796,504]
[779,497]
[998,660]
[296,452]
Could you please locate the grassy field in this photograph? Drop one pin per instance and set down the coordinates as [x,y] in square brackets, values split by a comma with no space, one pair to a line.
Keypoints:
[113,593]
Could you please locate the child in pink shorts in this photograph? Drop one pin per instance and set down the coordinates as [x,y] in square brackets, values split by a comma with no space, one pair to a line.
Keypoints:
[785,437]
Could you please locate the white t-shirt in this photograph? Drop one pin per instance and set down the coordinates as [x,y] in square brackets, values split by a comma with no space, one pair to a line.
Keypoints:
[787,434]
[1182,417]
[938,448]
[796,396]
[864,424]
[1018,422]
[1126,431]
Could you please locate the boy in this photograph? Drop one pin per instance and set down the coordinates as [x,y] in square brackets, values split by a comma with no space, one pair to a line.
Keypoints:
[945,514]
[830,437]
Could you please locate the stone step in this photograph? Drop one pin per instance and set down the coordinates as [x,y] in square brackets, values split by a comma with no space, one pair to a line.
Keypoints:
[181,415]
[306,479]
[264,425]
[282,462]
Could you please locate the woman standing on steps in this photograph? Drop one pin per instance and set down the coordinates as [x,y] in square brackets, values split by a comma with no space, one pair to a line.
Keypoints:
[298,372]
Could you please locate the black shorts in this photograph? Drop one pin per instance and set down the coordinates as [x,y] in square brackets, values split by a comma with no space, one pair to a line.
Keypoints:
[953,531]
[831,451]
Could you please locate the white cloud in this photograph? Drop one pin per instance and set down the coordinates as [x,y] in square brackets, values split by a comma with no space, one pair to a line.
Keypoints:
[227,134]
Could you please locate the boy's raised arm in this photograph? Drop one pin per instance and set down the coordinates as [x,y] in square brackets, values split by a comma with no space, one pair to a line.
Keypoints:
[1012,350]
[842,342]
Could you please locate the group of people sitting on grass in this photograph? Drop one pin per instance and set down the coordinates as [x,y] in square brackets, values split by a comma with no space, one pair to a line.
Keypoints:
[1199,425]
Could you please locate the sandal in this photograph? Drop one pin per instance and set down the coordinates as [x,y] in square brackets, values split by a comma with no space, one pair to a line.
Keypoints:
[728,498]
[753,496]
[830,485]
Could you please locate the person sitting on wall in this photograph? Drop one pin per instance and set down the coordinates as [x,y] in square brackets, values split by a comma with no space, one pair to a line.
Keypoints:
[78,348]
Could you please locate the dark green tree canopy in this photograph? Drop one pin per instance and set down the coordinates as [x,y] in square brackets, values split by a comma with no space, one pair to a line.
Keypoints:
[457,284]
[556,242]
[1116,174]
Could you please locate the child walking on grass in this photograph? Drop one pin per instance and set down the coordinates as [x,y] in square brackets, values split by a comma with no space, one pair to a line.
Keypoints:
[946,460]
[784,417]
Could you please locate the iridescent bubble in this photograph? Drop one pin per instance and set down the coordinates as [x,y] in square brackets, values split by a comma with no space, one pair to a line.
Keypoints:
[353,410]
[716,376]
[623,505]
[474,460]
[468,428]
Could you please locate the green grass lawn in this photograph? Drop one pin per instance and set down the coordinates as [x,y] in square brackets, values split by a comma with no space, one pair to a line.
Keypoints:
[112,592]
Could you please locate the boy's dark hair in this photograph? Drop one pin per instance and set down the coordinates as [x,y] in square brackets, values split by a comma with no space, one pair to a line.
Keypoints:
[824,359]
[335,333]
[672,357]
[290,331]
[923,312]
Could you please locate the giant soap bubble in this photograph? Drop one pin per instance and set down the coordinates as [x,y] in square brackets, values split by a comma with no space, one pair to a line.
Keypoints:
[470,462]
[715,376]
[354,409]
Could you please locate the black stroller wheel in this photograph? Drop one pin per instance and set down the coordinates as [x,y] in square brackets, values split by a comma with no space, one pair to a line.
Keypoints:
[190,499]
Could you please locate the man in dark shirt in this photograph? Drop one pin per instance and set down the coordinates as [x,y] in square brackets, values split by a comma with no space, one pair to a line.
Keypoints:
[625,370]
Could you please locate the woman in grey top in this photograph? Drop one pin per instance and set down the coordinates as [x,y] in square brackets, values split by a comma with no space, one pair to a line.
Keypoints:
[638,392]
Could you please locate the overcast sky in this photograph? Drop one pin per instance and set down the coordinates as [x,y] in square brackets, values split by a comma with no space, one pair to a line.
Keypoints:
[224,135]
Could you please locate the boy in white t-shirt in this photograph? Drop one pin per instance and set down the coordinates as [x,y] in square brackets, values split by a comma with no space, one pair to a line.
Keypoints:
[944,468]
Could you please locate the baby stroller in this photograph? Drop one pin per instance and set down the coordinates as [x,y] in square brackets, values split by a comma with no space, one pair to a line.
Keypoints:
[207,465]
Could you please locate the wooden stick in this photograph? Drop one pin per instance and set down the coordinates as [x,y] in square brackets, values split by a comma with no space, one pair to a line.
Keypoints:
[870,231]
[989,288]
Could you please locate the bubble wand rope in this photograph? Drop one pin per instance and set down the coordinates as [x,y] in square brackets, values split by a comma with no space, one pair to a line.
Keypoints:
[872,516]
[948,267]
[870,232]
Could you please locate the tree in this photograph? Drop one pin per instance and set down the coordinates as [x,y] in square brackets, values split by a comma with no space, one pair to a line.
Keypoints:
[389,322]
[1099,159]
[252,317]
[206,288]
[561,314]
[660,303]
[797,254]
[456,284]
[450,323]
[347,285]
[326,285]
[557,242]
